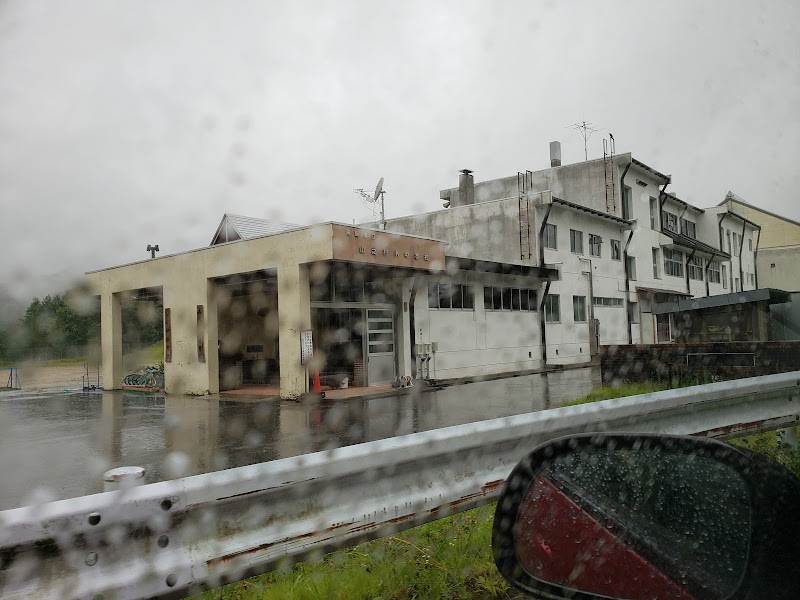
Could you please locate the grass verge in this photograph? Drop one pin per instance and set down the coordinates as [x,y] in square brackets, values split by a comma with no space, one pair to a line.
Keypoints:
[449,558]
[608,391]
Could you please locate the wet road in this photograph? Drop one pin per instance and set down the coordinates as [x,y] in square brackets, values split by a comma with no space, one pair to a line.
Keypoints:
[59,446]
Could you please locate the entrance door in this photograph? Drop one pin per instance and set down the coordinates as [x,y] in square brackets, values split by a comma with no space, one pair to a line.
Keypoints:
[380,346]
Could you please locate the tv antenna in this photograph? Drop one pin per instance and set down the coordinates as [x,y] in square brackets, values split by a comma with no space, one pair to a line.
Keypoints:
[586,130]
[370,200]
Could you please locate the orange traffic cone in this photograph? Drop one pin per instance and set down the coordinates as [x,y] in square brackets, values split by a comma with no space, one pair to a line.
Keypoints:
[317,388]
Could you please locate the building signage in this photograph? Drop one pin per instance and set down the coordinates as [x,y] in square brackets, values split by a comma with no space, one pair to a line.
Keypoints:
[356,244]
[306,347]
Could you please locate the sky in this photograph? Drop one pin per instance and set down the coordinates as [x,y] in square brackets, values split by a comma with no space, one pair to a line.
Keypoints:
[130,123]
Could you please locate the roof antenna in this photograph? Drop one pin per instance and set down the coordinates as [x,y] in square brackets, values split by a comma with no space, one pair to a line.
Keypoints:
[370,200]
[586,130]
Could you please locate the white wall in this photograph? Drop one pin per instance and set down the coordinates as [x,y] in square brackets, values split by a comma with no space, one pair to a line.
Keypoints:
[478,342]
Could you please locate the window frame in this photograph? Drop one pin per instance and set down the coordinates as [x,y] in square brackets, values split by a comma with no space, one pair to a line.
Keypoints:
[550,237]
[627,203]
[548,309]
[654,224]
[630,267]
[595,241]
[616,249]
[673,261]
[464,290]
[656,254]
[579,304]
[575,235]
[695,269]
[714,271]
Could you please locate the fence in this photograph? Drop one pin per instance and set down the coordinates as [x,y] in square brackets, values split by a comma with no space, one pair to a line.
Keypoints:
[171,538]
[697,363]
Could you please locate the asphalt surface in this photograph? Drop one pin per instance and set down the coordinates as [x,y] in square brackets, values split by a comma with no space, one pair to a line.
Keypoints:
[58,446]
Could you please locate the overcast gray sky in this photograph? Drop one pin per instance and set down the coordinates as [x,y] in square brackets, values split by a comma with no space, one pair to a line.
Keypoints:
[130,122]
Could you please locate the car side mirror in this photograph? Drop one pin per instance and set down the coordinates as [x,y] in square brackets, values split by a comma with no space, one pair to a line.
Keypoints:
[646,516]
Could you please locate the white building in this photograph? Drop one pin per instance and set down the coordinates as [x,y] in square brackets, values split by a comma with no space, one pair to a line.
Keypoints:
[589,221]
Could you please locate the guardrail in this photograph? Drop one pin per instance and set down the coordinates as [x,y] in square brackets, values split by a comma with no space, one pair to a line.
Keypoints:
[175,537]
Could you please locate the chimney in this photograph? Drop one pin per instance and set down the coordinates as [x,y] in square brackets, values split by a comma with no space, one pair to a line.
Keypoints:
[466,188]
[555,154]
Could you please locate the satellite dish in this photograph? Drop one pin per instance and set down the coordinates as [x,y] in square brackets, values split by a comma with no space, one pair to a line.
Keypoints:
[378,190]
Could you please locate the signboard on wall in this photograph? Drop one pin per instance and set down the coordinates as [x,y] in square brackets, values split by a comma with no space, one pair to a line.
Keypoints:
[356,244]
[306,347]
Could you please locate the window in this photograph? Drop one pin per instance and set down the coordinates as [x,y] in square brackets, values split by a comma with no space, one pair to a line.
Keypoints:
[550,237]
[653,214]
[579,309]
[688,228]
[673,262]
[616,250]
[713,272]
[507,298]
[725,277]
[750,244]
[630,263]
[576,241]
[608,302]
[595,241]
[552,309]
[627,203]
[736,285]
[669,221]
[633,312]
[735,244]
[695,269]
[456,296]
[728,235]
[656,273]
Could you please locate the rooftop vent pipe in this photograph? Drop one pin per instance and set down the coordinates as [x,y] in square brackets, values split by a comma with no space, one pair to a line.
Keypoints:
[466,188]
[555,154]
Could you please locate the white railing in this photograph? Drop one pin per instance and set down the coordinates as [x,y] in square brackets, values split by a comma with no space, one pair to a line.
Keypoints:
[174,537]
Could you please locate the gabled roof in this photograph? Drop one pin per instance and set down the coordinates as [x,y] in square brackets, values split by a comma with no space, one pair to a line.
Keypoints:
[238,227]
[733,197]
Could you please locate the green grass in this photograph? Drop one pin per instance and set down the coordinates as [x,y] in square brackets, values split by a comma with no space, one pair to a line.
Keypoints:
[608,391]
[449,558]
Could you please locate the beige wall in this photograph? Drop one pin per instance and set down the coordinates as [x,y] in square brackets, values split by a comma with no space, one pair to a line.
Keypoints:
[775,232]
[187,281]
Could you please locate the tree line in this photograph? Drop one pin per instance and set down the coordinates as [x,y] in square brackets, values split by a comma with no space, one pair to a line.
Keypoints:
[68,326]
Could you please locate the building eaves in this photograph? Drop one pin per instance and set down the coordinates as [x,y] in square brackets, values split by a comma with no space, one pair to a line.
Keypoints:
[665,291]
[683,202]
[743,219]
[592,211]
[484,266]
[651,170]
[771,295]
[734,198]
[687,242]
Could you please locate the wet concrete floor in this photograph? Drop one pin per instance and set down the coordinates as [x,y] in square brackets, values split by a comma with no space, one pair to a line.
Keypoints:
[58,446]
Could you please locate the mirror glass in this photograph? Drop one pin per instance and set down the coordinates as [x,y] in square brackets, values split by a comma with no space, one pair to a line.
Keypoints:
[636,524]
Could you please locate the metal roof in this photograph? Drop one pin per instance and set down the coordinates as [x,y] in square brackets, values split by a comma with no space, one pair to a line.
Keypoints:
[683,202]
[641,165]
[694,244]
[770,295]
[592,211]
[249,228]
